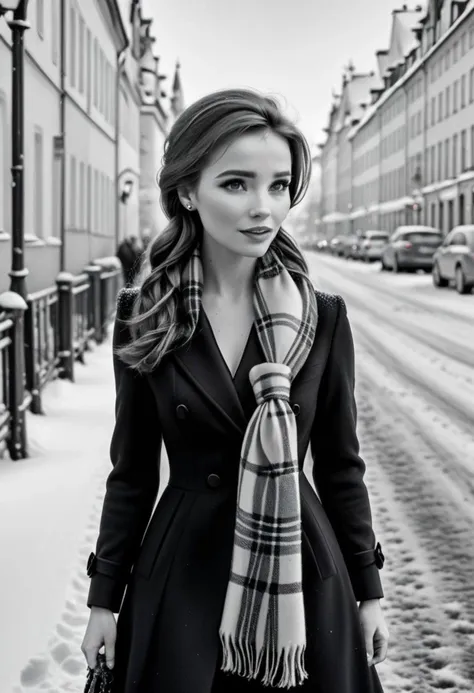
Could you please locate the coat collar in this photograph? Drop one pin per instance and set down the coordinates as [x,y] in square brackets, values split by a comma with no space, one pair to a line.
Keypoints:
[203,364]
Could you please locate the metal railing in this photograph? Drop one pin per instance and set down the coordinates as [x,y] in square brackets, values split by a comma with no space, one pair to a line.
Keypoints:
[41,343]
[44,338]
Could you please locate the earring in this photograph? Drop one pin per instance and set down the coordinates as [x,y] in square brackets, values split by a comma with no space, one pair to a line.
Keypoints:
[189,206]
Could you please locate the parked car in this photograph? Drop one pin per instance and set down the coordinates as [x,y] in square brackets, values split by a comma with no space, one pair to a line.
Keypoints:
[322,245]
[372,245]
[454,260]
[336,246]
[349,246]
[356,250]
[411,247]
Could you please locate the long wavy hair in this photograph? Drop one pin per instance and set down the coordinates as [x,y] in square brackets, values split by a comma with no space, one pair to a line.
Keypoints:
[158,325]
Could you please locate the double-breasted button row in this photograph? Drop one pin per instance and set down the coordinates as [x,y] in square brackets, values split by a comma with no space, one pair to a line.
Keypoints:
[182,412]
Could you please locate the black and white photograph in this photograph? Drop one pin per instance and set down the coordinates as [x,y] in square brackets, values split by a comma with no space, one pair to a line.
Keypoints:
[236,346]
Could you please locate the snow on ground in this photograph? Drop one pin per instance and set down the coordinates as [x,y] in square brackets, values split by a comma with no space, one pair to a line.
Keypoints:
[416,424]
[417,441]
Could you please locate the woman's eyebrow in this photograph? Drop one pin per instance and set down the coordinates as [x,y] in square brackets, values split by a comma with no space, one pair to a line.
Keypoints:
[250,174]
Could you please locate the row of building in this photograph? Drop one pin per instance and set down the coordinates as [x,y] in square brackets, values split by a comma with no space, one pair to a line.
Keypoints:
[399,145]
[97,109]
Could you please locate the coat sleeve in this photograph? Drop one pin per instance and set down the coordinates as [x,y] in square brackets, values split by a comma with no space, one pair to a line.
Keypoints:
[132,485]
[338,470]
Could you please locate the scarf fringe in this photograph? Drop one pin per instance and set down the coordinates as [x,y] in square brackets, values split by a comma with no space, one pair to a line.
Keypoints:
[239,658]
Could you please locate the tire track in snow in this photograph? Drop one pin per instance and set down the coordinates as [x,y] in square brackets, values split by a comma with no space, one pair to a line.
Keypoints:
[435,515]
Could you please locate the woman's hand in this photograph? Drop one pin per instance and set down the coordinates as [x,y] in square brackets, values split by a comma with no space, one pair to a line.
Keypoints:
[375,631]
[101,630]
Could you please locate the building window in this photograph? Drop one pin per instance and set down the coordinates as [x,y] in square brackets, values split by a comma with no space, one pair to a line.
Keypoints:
[433,111]
[455,156]
[463,44]
[95,72]
[455,96]
[433,214]
[81,55]
[446,159]
[461,209]
[463,91]
[440,106]
[96,201]
[101,82]
[471,86]
[88,66]
[433,164]
[72,47]
[455,52]
[472,146]
[89,199]
[56,193]
[106,91]
[463,150]
[73,193]
[3,161]
[81,197]
[450,215]
[40,17]
[54,31]
[448,101]
[38,184]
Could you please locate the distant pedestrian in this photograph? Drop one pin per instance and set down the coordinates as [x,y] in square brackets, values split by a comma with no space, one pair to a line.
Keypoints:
[129,253]
[243,579]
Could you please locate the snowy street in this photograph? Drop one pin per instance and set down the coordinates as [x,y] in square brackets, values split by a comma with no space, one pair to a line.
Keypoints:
[415,392]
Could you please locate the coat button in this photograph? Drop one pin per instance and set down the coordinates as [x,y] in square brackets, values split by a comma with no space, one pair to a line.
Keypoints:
[296,409]
[213,480]
[91,565]
[182,411]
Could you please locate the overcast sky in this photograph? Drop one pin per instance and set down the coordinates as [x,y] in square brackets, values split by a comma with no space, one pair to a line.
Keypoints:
[294,48]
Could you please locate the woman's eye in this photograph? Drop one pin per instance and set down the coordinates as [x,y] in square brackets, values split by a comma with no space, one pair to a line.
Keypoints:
[232,182]
[284,183]
[236,182]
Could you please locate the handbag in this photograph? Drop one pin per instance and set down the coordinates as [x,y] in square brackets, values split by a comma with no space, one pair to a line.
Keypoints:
[99,680]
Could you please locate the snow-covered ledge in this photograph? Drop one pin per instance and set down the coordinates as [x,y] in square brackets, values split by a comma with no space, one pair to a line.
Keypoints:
[111,262]
[33,241]
[4,236]
[52,240]
[10,300]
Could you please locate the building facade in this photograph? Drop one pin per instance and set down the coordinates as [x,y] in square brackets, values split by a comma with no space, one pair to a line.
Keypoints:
[412,151]
[83,87]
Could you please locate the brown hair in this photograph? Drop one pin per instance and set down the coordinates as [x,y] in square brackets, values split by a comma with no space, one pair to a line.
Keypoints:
[158,325]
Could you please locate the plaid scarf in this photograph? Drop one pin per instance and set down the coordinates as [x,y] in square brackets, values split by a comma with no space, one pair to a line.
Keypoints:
[263,622]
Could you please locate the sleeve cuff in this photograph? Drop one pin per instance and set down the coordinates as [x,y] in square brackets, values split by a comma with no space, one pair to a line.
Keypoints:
[106,592]
[366,583]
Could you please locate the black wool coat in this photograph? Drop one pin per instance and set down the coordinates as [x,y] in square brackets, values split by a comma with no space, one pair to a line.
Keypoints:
[174,567]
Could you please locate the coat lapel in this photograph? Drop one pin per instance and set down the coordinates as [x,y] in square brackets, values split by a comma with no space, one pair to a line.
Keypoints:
[202,363]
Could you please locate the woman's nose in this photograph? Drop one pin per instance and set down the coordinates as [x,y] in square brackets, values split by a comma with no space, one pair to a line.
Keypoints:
[260,206]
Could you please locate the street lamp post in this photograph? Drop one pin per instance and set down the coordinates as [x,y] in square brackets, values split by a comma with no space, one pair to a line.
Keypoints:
[15,299]
[18,25]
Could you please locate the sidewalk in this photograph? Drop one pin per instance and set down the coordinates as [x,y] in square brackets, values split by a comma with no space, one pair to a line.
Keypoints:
[49,513]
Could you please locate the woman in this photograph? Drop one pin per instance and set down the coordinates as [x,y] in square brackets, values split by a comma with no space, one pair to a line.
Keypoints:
[244,578]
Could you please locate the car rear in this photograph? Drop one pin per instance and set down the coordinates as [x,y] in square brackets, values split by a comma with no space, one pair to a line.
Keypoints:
[469,257]
[373,245]
[417,246]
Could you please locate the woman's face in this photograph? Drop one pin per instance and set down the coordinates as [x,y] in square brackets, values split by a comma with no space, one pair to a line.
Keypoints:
[245,186]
